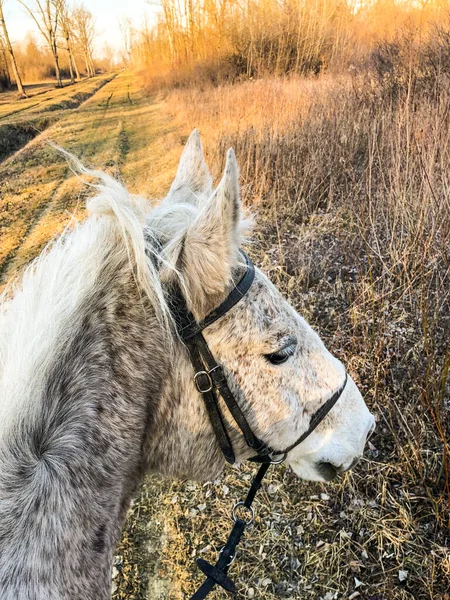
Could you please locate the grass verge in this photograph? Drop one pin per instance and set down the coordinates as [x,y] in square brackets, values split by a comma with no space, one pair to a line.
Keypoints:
[20,123]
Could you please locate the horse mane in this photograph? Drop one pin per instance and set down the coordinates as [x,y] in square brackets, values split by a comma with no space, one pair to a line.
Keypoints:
[39,311]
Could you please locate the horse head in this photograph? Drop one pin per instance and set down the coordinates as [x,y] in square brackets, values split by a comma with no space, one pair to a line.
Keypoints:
[275,364]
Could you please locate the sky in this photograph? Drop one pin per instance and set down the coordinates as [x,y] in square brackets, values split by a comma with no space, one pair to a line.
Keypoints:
[106,13]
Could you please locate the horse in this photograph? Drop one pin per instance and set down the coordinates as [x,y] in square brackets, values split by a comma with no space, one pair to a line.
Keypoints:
[97,387]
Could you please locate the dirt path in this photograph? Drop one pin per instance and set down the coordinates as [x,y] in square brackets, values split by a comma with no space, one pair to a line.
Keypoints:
[21,121]
[48,99]
[118,130]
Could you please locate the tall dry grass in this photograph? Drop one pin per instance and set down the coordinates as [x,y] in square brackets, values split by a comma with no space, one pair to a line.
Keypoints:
[226,41]
[351,178]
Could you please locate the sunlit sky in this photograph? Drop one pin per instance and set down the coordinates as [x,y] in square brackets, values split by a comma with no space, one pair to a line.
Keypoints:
[106,13]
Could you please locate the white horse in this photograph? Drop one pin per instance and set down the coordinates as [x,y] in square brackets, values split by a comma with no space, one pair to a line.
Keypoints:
[96,386]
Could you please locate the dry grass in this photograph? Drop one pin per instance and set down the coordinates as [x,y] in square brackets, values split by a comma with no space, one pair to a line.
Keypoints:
[350,180]
[21,120]
[221,42]
[113,130]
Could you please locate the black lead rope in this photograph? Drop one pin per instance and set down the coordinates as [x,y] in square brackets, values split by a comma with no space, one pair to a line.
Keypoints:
[218,574]
[210,380]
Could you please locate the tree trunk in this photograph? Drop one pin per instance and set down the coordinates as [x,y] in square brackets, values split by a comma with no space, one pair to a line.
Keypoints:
[91,63]
[72,78]
[74,62]
[5,78]
[11,54]
[86,62]
[55,58]
[59,82]
[170,27]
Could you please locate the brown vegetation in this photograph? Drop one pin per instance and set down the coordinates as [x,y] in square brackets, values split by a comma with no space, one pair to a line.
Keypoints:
[198,41]
[349,174]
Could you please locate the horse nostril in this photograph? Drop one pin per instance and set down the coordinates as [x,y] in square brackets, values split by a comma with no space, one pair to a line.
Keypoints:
[327,470]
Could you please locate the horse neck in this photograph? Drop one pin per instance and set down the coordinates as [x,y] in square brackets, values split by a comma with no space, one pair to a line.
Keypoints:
[69,468]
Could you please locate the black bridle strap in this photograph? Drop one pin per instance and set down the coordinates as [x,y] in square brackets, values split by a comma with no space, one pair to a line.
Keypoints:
[207,368]
[219,381]
[211,403]
[318,416]
[316,419]
[193,327]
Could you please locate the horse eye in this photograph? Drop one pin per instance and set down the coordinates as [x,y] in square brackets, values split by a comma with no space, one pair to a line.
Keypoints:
[280,357]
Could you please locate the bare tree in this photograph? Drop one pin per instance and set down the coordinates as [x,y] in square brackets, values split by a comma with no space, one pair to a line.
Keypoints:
[170,21]
[7,43]
[128,39]
[84,31]
[66,20]
[109,53]
[46,13]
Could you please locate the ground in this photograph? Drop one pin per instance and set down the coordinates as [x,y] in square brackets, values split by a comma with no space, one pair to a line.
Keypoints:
[40,195]
[370,536]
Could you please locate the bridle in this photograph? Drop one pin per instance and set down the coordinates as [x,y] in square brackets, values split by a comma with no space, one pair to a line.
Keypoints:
[210,380]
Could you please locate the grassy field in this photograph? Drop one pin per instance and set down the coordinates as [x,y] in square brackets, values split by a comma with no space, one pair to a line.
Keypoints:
[24,119]
[39,195]
[351,192]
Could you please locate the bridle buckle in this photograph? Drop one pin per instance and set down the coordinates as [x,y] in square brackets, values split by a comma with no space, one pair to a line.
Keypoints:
[203,377]
[277,459]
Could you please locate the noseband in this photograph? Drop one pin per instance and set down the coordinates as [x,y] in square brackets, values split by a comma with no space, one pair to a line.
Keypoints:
[210,380]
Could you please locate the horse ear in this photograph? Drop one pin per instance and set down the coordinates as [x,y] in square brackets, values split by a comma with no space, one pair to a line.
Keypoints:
[193,177]
[210,248]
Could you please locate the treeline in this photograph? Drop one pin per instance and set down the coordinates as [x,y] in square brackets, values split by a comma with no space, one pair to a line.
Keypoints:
[226,40]
[66,50]
[36,63]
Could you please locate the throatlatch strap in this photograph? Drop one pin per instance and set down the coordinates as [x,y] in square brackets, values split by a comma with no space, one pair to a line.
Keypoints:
[218,377]
[212,407]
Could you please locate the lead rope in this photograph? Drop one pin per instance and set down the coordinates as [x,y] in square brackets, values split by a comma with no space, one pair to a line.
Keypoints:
[218,574]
